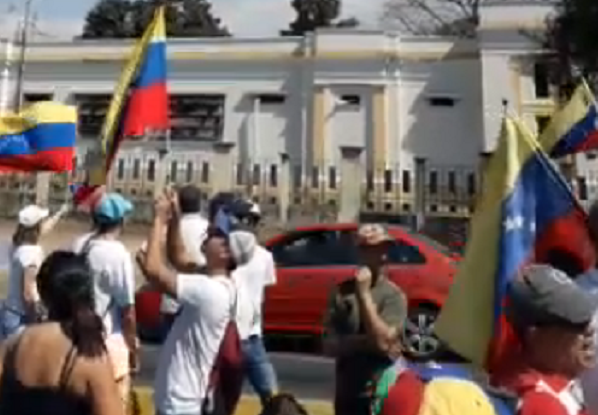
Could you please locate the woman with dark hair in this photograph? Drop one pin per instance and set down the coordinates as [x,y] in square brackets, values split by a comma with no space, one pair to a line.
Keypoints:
[21,305]
[61,366]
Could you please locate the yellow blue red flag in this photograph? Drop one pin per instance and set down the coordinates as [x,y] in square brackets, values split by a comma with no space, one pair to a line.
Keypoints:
[574,127]
[140,101]
[40,138]
[525,213]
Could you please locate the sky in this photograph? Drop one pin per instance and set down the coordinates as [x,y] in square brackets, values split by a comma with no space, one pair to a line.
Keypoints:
[64,18]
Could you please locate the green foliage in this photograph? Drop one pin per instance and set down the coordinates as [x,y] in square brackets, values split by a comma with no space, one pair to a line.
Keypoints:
[571,39]
[129,18]
[314,14]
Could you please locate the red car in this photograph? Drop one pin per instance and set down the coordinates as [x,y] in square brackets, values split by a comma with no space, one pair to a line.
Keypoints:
[310,261]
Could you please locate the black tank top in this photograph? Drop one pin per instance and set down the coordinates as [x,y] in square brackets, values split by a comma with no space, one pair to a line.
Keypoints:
[19,399]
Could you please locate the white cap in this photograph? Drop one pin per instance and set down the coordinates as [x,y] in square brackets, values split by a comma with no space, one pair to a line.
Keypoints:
[255,209]
[32,215]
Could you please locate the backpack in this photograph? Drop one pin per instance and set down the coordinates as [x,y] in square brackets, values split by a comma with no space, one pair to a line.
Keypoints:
[225,381]
[451,389]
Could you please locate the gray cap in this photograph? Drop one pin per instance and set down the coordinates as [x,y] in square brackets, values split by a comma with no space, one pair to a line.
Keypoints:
[543,295]
[242,245]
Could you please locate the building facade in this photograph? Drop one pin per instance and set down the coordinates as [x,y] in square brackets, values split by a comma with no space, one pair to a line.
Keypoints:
[410,112]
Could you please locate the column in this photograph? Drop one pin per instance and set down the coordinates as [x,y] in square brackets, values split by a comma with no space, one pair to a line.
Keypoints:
[352,173]
[420,192]
[223,166]
[379,157]
[318,149]
[284,188]
[42,189]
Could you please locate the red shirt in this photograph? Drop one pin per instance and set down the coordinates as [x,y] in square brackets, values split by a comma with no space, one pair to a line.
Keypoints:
[543,394]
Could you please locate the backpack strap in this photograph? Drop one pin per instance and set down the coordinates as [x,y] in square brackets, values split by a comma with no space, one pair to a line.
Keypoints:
[85,251]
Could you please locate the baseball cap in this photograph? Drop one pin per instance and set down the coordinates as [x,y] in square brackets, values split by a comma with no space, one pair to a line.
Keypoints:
[32,215]
[543,295]
[373,234]
[112,208]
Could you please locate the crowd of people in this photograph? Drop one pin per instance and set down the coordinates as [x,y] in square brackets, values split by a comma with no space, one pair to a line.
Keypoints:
[70,342]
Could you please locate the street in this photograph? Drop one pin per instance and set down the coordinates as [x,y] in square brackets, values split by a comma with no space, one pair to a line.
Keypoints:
[305,376]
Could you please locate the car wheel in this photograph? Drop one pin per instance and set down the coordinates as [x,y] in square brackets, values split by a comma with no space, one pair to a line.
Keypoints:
[419,339]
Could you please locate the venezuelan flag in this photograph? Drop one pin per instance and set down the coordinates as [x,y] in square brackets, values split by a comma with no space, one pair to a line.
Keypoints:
[40,138]
[526,211]
[140,102]
[573,128]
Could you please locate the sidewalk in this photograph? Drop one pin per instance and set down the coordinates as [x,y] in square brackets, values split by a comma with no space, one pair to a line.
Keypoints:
[249,405]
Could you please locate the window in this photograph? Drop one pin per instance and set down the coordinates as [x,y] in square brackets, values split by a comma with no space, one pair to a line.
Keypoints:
[33,97]
[315,177]
[471,184]
[151,170]
[387,181]
[406,181]
[541,83]
[350,99]
[197,117]
[452,182]
[136,169]
[256,175]
[442,101]
[190,171]
[272,99]
[316,248]
[273,175]
[174,169]
[369,180]
[401,252]
[332,178]
[433,185]
[542,123]
[120,169]
[91,110]
[205,172]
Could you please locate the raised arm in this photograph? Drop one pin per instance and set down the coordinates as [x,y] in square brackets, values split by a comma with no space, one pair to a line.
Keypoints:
[176,250]
[49,224]
[153,264]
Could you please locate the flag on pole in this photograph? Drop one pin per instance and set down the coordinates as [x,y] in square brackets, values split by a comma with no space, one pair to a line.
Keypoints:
[574,127]
[40,138]
[526,211]
[140,101]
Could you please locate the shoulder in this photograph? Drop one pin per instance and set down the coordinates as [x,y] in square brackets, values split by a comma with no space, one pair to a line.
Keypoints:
[80,241]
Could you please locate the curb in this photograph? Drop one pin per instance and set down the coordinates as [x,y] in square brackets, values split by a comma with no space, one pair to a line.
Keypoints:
[249,405]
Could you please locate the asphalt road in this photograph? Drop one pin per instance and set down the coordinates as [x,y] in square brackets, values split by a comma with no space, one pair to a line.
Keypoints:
[305,376]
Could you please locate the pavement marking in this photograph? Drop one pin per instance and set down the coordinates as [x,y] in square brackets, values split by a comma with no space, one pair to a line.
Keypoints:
[249,405]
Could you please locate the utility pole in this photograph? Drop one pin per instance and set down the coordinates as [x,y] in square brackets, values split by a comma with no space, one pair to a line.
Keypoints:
[24,38]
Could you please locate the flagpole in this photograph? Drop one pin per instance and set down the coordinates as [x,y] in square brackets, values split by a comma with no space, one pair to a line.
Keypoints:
[24,38]
[4,89]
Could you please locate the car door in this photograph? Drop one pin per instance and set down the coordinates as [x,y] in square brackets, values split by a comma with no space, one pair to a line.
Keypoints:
[309,264]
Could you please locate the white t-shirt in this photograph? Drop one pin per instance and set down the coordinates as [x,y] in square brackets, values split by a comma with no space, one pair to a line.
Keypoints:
[589,379]
[21,258]
[252,278]
[114,277]
[190,350]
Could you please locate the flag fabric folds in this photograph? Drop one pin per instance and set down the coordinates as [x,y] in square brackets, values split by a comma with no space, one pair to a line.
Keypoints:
[526,211]
[574,127]
[40,138]
[140,101]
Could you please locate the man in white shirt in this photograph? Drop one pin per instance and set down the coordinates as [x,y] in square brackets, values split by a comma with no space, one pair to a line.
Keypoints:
[252,279]
[114,278]
[208,298]
[194,228]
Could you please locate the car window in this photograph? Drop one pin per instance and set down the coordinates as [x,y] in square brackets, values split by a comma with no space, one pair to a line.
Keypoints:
[316,248]
[402,252]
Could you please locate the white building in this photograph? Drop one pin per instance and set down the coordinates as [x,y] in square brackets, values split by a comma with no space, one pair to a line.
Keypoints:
[396,97]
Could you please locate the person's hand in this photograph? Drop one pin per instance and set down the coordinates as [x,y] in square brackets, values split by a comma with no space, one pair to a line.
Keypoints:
[163,208]
[173,197]
[363,279]
[140,257]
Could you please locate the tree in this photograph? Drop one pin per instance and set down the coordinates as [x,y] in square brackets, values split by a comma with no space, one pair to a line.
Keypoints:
[432,17]
[109,18]
[314,14]
[129,18]
[571,42]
